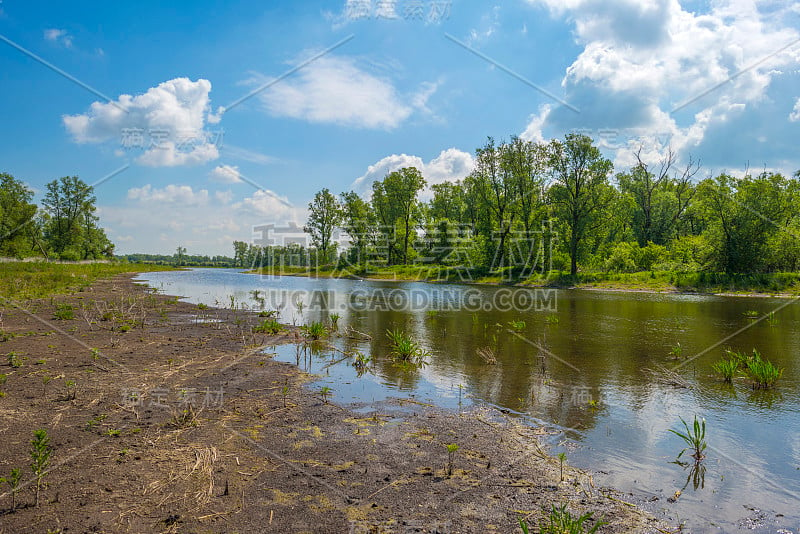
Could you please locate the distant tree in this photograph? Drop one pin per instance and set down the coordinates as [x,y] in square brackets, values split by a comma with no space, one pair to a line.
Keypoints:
[325,214]
[239,253]
[180,255]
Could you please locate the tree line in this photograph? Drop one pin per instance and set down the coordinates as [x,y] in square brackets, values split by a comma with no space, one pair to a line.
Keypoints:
[560,205]
[65,227]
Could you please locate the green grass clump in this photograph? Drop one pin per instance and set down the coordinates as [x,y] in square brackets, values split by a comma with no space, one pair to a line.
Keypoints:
[405,350]
[695,438]
[14,359]
[517,326]
[315,330]
[763,373]
[561,521]
[727,369]
[64,312]
[268,326]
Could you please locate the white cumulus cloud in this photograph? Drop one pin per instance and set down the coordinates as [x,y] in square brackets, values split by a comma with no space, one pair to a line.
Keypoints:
[171,194]
[336,90]
[655,68]
[450,165]
[167,124]
[226,174]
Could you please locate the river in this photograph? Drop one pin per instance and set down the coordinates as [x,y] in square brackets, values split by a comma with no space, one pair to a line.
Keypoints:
[576,361]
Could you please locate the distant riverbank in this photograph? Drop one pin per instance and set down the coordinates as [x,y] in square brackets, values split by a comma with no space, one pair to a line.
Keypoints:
[766,284]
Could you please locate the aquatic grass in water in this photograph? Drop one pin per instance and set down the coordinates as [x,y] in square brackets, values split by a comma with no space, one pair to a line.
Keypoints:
[727,369]
[335,321]
[763,373]
[315,330]
[517,326]
[405,350]
[694,437]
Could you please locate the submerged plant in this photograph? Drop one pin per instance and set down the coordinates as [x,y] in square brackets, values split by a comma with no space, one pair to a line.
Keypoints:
[361,363]
[771,320]
[694,437]
[487,355]
[517,326]
[560,521]
[750,314]
[763,373]
[40,457]
[551,319]
[676,351]
[335,321]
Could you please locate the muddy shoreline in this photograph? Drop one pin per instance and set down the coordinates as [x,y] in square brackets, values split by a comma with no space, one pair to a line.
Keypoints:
[177,421]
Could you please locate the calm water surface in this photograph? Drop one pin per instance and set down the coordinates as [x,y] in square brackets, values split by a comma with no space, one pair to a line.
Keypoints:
[580,368]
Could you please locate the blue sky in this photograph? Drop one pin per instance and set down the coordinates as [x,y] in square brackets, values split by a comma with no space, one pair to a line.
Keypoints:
[391,84]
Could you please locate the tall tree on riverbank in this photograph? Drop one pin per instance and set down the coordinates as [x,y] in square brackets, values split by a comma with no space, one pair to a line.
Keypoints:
[358,222]
[19,231]
[743,213]
[580,192]
[394,200]
[325,214]
[659,199]
[71,228]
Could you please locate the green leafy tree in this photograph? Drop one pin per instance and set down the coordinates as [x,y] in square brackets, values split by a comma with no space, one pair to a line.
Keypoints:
[325,214]
[358,221]
[580,193]
[71,228]
[239,253]
[659,200]
[19,231]
[395,203]
[495,189]
[742,214]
